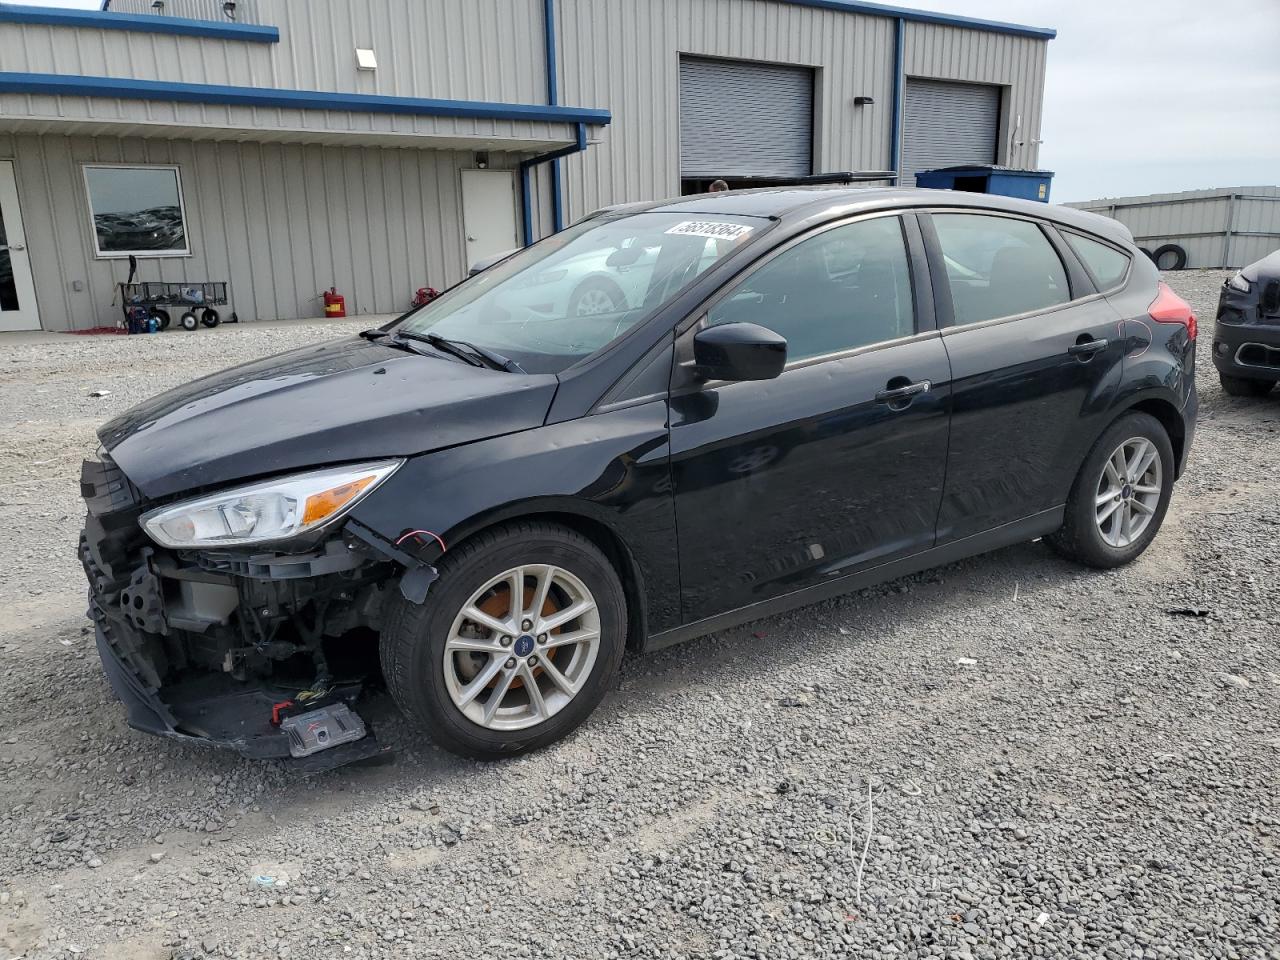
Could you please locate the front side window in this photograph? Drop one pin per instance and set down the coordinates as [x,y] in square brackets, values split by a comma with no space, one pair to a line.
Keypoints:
[563,299]
[998,266]
[136,210]
[1107,264]
[844,288]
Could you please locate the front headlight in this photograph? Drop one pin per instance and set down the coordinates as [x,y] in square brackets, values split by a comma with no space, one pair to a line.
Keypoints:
[266,511]
[1238,282]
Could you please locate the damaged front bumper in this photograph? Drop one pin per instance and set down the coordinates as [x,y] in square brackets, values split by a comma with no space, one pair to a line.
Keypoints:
[235,719]
[262,653]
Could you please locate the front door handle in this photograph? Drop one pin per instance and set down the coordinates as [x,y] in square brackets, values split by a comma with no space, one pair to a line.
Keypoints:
[1086,347]
[892,395]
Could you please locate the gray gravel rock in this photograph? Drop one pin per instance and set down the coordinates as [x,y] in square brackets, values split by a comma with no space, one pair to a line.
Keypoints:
[1074,772]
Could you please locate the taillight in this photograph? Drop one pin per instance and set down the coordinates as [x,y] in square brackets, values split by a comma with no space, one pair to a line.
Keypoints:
[1168,307]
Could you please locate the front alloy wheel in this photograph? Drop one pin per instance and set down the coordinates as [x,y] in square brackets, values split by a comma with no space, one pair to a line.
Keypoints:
[522,647]
[517,641]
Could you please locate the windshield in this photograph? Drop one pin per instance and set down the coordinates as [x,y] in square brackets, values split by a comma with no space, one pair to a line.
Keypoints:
[564,298]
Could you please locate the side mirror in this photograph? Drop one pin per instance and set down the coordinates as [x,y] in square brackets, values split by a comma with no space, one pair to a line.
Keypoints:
[624,257]
[480,266]
[739,351]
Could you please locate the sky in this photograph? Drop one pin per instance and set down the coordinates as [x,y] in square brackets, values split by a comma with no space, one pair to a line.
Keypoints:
[1143,96]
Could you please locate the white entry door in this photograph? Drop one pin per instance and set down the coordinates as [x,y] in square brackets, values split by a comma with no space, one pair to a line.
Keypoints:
[488,213]
[17,292]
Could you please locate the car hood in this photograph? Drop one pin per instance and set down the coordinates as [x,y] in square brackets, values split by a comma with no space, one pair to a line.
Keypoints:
[1268,268]
[345,400]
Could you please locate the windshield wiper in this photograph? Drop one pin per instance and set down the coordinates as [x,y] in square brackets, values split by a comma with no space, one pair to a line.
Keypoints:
[478,356]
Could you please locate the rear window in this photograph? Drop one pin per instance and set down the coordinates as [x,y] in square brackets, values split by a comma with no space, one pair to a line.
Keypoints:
[1107,264]
[998,266]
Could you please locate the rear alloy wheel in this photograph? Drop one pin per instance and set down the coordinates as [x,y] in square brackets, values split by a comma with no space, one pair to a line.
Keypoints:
[1120,496]
[516,643]
[1245,386]
[1128,491]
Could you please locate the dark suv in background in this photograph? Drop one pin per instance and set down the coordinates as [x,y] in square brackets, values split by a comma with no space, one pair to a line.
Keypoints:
[796,393]
[1246,338]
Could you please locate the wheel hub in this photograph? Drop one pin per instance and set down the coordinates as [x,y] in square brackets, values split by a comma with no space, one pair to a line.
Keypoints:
[523,646]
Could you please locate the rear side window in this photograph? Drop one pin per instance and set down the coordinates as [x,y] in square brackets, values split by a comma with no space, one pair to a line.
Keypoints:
[998,266]
[1107,264]
[847,287]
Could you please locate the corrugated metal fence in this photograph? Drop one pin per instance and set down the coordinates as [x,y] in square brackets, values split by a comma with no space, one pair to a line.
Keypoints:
[1227,227]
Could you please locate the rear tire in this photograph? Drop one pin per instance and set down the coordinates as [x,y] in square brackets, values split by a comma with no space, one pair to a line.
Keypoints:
[427,674]
[189,321]
[210,317]
[1084,534]
[162,318]
[1245,386]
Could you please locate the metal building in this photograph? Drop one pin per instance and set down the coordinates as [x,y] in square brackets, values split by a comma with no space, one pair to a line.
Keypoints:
[1226,227]
[381,145]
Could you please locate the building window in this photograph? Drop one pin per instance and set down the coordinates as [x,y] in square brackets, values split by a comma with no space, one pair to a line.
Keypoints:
[136,210]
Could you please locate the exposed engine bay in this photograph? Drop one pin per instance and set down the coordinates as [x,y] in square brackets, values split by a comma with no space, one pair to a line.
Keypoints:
[262,652]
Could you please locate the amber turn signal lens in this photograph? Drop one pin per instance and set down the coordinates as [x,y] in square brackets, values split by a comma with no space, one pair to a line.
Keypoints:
[329,502]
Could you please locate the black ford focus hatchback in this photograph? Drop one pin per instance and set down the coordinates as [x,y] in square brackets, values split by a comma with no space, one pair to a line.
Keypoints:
[663,421]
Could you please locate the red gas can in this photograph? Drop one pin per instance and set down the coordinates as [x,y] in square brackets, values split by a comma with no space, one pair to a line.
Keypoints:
[335,304]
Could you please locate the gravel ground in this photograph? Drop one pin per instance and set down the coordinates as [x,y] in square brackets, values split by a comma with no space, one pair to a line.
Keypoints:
[1034,759]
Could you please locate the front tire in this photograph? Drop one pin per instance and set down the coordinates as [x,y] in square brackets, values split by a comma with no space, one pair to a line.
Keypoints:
[489,679]
[1245,386]
[1120,495]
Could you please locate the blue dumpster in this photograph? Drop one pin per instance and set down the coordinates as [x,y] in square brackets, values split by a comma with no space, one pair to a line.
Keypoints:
[989,178]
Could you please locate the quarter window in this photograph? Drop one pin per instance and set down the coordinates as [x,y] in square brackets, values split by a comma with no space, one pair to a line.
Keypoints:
[998,266]
[1107,264]
[846,287]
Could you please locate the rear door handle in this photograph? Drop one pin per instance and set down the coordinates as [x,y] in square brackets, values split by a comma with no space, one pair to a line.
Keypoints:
[1086,348]
[906,392]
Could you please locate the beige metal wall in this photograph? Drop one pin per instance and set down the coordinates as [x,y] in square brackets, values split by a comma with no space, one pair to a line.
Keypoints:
[625,55]
[488,50]
[454,49]
[281,221]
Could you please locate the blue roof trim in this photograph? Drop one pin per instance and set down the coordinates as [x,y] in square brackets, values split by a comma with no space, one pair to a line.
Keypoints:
[105,19]
[70,86]
[928,16]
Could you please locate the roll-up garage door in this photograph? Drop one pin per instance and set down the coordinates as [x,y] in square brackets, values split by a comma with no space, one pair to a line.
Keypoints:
[948,124]
[741,120]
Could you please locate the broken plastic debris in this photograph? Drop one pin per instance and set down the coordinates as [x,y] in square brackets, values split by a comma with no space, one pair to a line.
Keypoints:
[966,662]
[99,393]
[1042,919]
[268,882]
[1188,612]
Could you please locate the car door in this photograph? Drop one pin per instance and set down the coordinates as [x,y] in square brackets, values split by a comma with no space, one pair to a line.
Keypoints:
[836,464]
[1035,358]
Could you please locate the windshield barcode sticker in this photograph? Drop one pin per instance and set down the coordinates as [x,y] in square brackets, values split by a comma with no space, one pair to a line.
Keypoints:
[713,229]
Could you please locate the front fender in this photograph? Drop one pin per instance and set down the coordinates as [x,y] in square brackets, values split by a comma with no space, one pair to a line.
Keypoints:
[611,468]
